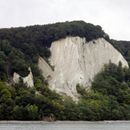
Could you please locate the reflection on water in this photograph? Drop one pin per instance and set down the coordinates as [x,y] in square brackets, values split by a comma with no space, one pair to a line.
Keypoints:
[15,125]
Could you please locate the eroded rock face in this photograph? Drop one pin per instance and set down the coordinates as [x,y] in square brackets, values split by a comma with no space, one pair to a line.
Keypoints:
[77,61]
[28,80]
[45,68]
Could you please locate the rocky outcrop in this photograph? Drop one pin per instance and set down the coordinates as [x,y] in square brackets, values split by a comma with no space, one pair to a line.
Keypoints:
[76,61]
[45,68]
[28,80]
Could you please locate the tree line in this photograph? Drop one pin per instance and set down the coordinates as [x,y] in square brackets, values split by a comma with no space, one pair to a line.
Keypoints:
[109,99]
[21,47]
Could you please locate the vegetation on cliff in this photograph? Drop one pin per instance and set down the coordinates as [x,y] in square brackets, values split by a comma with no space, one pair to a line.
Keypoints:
[20,48]
[109,99]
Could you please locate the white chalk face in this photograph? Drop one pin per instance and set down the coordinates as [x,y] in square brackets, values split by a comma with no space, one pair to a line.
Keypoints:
[77,62]
[112,15]
[28,80]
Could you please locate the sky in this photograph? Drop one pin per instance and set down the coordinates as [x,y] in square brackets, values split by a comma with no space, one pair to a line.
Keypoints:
[112,15]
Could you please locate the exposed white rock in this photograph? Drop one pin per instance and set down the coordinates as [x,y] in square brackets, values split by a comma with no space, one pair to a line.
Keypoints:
[77,61]
[16,77]
[45,68]
[28,80]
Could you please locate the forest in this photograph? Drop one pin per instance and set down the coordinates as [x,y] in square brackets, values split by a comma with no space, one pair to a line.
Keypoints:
[109,98]
[21,47]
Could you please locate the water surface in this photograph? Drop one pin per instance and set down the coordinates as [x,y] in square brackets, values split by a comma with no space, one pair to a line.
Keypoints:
[65,125]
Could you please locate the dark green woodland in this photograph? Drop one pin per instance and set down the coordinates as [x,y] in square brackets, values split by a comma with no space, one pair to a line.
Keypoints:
[109,98]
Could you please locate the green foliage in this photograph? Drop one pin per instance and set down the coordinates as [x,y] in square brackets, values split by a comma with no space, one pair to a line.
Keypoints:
[21,47]
[109,98]
[29,112]
[123,47]
[81,90]
[6,101]
[114,83]
[37,38]
[3,66]
[32,112]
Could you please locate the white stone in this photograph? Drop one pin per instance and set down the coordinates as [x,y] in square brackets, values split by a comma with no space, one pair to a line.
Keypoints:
[28,80]
[77,61]
[16,77]
[44,67]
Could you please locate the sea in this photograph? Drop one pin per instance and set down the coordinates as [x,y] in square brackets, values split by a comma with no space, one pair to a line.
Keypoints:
[64,125]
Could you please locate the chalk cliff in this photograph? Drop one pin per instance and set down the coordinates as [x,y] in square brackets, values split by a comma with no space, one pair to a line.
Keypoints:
[77,61]
[28,80]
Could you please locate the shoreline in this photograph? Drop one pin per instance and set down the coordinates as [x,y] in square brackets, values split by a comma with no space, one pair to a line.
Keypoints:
[62,122]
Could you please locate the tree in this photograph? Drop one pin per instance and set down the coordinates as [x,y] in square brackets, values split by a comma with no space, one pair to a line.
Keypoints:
[32,111]
[6,102]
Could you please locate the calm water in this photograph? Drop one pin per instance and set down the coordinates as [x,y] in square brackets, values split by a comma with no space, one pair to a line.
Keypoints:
[65,125]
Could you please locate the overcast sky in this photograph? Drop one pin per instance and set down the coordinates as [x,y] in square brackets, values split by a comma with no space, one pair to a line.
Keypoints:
[112,15]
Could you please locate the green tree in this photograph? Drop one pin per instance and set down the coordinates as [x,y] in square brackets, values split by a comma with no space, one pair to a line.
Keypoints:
[6,101]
